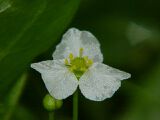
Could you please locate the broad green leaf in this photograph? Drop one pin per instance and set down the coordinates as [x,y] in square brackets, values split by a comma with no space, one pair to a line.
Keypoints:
[12,98]
[28,28]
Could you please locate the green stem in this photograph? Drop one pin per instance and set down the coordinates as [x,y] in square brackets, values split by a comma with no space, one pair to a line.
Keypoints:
[51,115]
[75,106]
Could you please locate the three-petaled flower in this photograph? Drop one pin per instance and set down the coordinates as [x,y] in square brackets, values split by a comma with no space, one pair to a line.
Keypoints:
[77,60]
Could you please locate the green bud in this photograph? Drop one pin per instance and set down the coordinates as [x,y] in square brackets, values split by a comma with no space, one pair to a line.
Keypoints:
[51,103]
[58,104]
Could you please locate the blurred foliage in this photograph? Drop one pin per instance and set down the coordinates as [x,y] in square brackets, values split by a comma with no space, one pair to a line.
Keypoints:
[129,33]
[28,28]
[12,98]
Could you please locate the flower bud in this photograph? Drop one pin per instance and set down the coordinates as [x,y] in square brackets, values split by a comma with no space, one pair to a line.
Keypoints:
[51,103]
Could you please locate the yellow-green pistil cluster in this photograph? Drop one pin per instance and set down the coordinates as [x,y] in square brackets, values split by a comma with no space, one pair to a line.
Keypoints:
[78,65]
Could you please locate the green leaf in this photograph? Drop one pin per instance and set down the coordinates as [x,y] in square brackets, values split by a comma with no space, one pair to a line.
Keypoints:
[12,98]
[28,28]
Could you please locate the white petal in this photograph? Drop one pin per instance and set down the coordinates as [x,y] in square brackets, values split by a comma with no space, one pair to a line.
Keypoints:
[108,70]
[99,83]
[59,81]
[75,39]
[43,66]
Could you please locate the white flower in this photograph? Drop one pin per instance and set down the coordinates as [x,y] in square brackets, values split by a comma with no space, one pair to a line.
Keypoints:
[77,60]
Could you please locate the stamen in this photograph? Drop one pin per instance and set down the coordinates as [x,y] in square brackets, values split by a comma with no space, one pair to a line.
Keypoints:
[66,62]
[80,52]
[90,62]
[79,64]
[86,58]
[71,57]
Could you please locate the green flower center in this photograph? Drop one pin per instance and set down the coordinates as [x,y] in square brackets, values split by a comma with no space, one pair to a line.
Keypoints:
[78,65]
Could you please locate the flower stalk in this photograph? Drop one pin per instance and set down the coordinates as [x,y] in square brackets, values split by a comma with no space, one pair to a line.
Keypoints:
[51,115]
[75,106]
